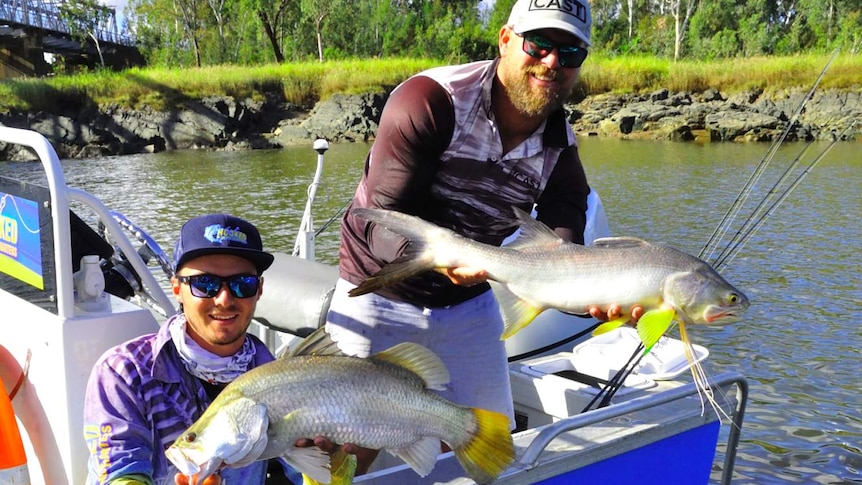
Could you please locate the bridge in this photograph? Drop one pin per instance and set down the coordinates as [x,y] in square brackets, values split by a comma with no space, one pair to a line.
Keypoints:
[29,29]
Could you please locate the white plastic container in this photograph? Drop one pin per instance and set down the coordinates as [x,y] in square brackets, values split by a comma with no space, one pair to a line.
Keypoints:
[665,361]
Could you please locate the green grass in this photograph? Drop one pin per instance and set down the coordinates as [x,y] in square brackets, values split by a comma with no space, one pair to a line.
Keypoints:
[643,74]
[308,82]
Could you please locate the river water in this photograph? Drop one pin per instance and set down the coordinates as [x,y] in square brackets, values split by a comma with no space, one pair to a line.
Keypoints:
[799,345]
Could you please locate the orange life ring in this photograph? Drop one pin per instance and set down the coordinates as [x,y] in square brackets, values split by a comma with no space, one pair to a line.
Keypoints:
[30,413]
[13,460]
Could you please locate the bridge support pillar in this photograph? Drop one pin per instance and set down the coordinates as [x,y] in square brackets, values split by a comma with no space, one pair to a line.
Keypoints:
[22,56]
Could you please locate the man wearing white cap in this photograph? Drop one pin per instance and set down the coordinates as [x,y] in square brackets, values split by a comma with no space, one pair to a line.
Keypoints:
[460,146]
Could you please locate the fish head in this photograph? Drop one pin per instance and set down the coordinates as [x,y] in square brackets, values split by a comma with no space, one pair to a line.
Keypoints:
[231,433]
[702,297]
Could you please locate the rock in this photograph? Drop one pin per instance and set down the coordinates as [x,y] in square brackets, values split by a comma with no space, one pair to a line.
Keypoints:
[712,95]
[731,125]
[226,123]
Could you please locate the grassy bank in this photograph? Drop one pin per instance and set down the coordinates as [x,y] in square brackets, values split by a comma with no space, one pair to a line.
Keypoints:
[306,83]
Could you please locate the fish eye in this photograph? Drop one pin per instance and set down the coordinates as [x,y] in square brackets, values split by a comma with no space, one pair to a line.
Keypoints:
[190,437]
[734,298]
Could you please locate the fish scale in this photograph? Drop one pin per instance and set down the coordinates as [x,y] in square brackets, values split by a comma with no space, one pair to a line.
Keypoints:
[330,378]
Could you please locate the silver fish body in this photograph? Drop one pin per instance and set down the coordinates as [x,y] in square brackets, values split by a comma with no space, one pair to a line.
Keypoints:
[381,402]
[541,271]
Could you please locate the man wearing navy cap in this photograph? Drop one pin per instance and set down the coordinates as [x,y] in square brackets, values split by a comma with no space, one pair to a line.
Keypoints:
[144,393]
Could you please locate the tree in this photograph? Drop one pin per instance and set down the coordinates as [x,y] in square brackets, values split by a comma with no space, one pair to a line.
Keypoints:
[318,11]
[272,15]
[680,22]
[86,19]
[190,17]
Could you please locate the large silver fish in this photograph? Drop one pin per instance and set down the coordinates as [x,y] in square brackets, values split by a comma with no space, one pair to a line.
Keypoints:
[381,402]
[539,270]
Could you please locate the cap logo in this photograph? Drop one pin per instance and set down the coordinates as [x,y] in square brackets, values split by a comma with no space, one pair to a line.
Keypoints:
[571,7]
[218,234]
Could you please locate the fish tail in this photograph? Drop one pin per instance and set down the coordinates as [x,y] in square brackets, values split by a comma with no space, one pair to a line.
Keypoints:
[342,469]
[491,450]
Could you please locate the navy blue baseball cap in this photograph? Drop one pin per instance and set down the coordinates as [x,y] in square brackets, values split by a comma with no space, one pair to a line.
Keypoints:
[220,234]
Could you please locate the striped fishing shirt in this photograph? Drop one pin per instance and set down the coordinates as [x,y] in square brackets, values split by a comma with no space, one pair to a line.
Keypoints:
[139,399]
[438,155]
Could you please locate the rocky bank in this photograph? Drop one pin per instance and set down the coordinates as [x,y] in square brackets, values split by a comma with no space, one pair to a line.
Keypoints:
[224,123]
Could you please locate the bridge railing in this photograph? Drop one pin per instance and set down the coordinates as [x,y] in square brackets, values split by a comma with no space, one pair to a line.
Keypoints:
[46,15]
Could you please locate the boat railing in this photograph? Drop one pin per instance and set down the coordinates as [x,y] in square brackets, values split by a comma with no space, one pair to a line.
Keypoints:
[548,433]
[61,195]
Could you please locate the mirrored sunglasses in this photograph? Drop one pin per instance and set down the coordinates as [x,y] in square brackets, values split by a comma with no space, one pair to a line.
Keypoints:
[208,286]
[539,47]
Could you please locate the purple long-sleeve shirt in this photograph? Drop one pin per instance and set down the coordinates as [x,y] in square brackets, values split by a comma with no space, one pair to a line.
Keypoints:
[139,399]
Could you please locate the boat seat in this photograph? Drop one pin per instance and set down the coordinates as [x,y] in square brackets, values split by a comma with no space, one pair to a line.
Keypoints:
[296,295]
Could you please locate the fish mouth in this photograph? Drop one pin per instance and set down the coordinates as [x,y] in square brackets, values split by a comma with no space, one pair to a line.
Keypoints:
[716,316]
[187,466]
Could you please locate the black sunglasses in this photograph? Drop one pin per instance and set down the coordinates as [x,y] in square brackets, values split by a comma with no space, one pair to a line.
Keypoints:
[208,285]
[539,47]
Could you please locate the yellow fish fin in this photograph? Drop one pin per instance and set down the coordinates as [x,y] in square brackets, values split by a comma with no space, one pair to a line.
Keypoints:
[653,324]
[317,343]
[419,360]
[517,313]
[342,468]
[491,450]
[610,325]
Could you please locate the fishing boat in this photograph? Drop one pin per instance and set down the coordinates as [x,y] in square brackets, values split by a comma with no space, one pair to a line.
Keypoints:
[72,289]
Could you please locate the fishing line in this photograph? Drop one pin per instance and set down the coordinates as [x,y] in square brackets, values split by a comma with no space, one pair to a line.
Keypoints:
[553,345]
[731,251]
[335,217]
[721,229]
[757,210]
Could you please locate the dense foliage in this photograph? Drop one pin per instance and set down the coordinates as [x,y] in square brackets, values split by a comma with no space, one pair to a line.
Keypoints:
[213,32]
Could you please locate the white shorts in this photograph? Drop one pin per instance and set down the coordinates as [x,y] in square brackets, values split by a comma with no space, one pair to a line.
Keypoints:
[465,336]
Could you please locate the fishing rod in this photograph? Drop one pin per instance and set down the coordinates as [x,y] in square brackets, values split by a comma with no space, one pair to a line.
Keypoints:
[335,217]
[748,228]
[747,233]
[771,193]
[613,385]
[729,216]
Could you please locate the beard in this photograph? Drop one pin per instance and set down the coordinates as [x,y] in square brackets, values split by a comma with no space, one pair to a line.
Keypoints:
[534,101]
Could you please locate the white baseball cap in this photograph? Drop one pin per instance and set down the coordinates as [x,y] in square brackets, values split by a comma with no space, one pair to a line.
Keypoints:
[572,16]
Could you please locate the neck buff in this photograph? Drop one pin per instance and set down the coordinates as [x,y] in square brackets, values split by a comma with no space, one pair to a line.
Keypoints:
[204,364]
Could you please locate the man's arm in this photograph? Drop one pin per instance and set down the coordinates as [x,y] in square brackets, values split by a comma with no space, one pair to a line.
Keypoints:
[118,435]
[562,206]
[415,129]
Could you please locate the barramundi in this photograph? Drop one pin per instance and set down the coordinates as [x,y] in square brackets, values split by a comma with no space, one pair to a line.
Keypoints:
[539,271]
[382,402]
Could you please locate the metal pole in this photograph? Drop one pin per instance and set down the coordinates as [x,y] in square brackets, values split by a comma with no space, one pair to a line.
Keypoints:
[304,247]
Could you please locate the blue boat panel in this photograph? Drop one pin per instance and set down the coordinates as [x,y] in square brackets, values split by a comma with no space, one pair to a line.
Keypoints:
[682,458]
